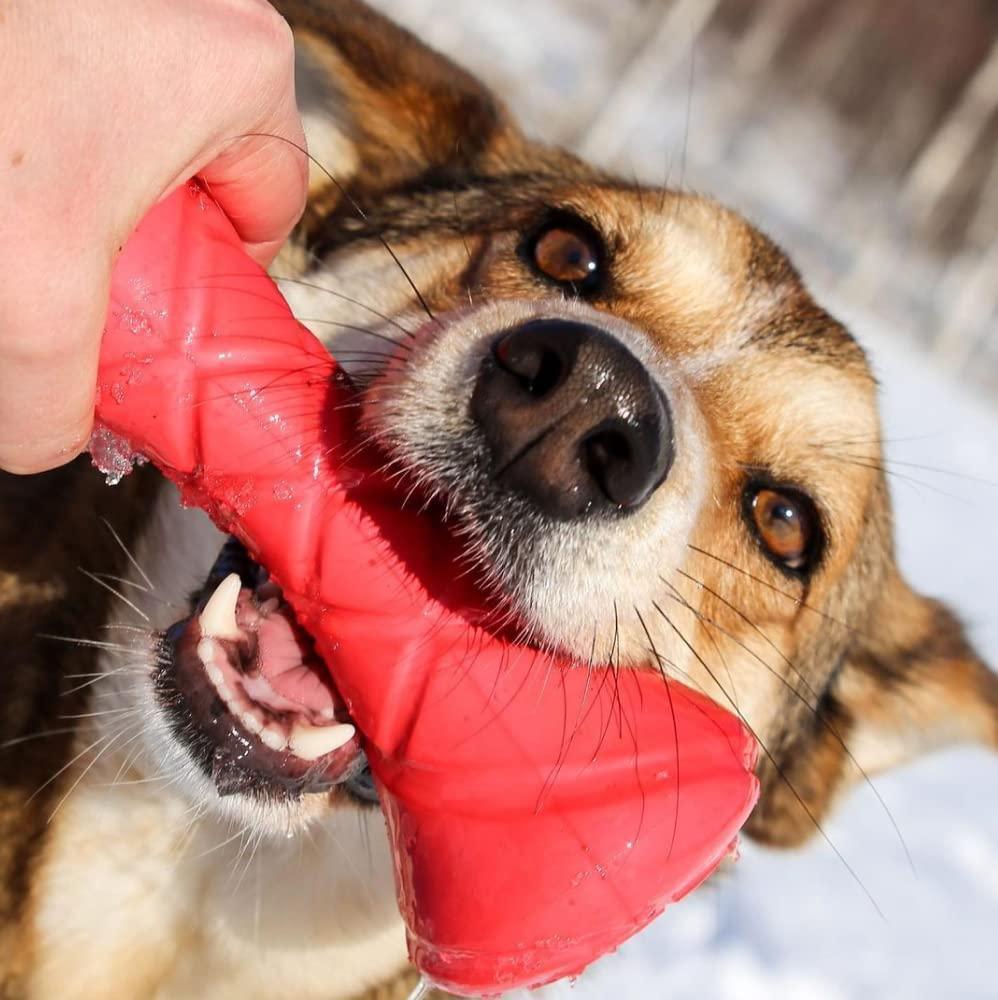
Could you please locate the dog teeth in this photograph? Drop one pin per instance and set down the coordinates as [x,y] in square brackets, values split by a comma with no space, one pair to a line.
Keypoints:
[272,737]
[312,742]
[218,619]
[251,723]
[213,671]
[206,654]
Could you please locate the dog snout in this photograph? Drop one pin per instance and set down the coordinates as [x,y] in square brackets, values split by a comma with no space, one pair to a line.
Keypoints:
[573,419]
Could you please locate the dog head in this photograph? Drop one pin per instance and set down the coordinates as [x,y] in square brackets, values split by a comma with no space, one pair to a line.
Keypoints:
[660,451]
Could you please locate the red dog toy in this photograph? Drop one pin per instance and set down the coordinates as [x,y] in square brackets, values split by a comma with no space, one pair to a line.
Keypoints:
[540,811]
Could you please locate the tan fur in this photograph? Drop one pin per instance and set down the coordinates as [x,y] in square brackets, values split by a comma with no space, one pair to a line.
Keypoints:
[127,876]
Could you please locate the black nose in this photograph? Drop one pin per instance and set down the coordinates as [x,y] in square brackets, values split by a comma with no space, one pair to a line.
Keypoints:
[573,419]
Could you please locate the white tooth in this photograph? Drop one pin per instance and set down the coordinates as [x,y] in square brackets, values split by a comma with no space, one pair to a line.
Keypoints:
[225,692]
[312,742]
[218,618]
[250,722]
[273,738]
[214,673]
[206,652]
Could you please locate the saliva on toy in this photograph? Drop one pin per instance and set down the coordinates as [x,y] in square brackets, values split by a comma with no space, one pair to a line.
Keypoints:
[532,802]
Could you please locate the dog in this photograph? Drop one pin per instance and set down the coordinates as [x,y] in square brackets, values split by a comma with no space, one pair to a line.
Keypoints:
[660,453]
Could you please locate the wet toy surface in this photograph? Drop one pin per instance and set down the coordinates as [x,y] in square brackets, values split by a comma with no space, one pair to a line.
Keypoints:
[540,811]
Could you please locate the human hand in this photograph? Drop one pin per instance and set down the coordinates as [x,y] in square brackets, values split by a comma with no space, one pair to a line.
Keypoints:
[105,107]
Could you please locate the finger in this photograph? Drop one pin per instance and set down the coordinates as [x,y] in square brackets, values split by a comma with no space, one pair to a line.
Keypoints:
[48,376]
[261,182]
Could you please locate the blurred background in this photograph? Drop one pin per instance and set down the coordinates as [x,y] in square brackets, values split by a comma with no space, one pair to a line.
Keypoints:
[863,136]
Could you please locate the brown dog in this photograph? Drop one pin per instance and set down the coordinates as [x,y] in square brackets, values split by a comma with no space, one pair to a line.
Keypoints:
[646,431]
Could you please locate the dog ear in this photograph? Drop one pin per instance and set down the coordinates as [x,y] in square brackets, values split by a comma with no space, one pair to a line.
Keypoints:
[380,107]
[909,683]
[915,684]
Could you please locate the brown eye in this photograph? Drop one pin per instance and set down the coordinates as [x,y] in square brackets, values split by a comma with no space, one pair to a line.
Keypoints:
[569,253]
[786,524]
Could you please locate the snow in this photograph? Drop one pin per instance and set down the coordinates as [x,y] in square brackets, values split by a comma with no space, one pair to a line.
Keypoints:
[795,925]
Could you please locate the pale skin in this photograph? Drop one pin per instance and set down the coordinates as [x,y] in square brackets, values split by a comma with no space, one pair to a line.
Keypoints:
[105,107]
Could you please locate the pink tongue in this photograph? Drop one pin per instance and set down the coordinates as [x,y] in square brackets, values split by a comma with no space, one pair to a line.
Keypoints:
[289,665]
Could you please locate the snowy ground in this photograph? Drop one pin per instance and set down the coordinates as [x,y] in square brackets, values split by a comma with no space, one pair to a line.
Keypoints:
[794,926]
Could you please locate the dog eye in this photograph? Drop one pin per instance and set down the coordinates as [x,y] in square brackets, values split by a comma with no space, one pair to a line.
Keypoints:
[568,252]
[786,524]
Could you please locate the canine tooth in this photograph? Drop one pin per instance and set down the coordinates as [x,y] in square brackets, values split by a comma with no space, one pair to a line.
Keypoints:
[206,652]
[214,673]
[251,722]
[312,742]
[218,618]
[273,738]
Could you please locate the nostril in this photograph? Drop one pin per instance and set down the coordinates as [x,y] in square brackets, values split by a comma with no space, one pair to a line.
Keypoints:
[626,461]
[538,368]
[603,452]
[607,456]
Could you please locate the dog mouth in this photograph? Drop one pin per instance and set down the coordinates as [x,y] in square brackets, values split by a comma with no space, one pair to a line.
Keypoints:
[249,697]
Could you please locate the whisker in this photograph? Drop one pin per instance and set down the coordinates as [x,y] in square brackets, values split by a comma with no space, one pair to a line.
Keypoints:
[128,554]
[76,784]
[717,649]
[121,626]
[822,719]
[151,780]
[95,678]
[67,765]
[876,466]
[354,204]
[366,331]
[346,298]
[798,602]
[116,647]
[124,581]
[18,740]
[772,760]
[217,847]
[660,661]
[124,710]
[110,589]
[952,473]
[127,762]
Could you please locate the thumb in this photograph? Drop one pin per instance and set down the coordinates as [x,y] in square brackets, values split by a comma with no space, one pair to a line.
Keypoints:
[261,182]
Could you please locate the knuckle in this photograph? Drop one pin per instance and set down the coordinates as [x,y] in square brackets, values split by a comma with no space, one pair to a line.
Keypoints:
[271,33]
